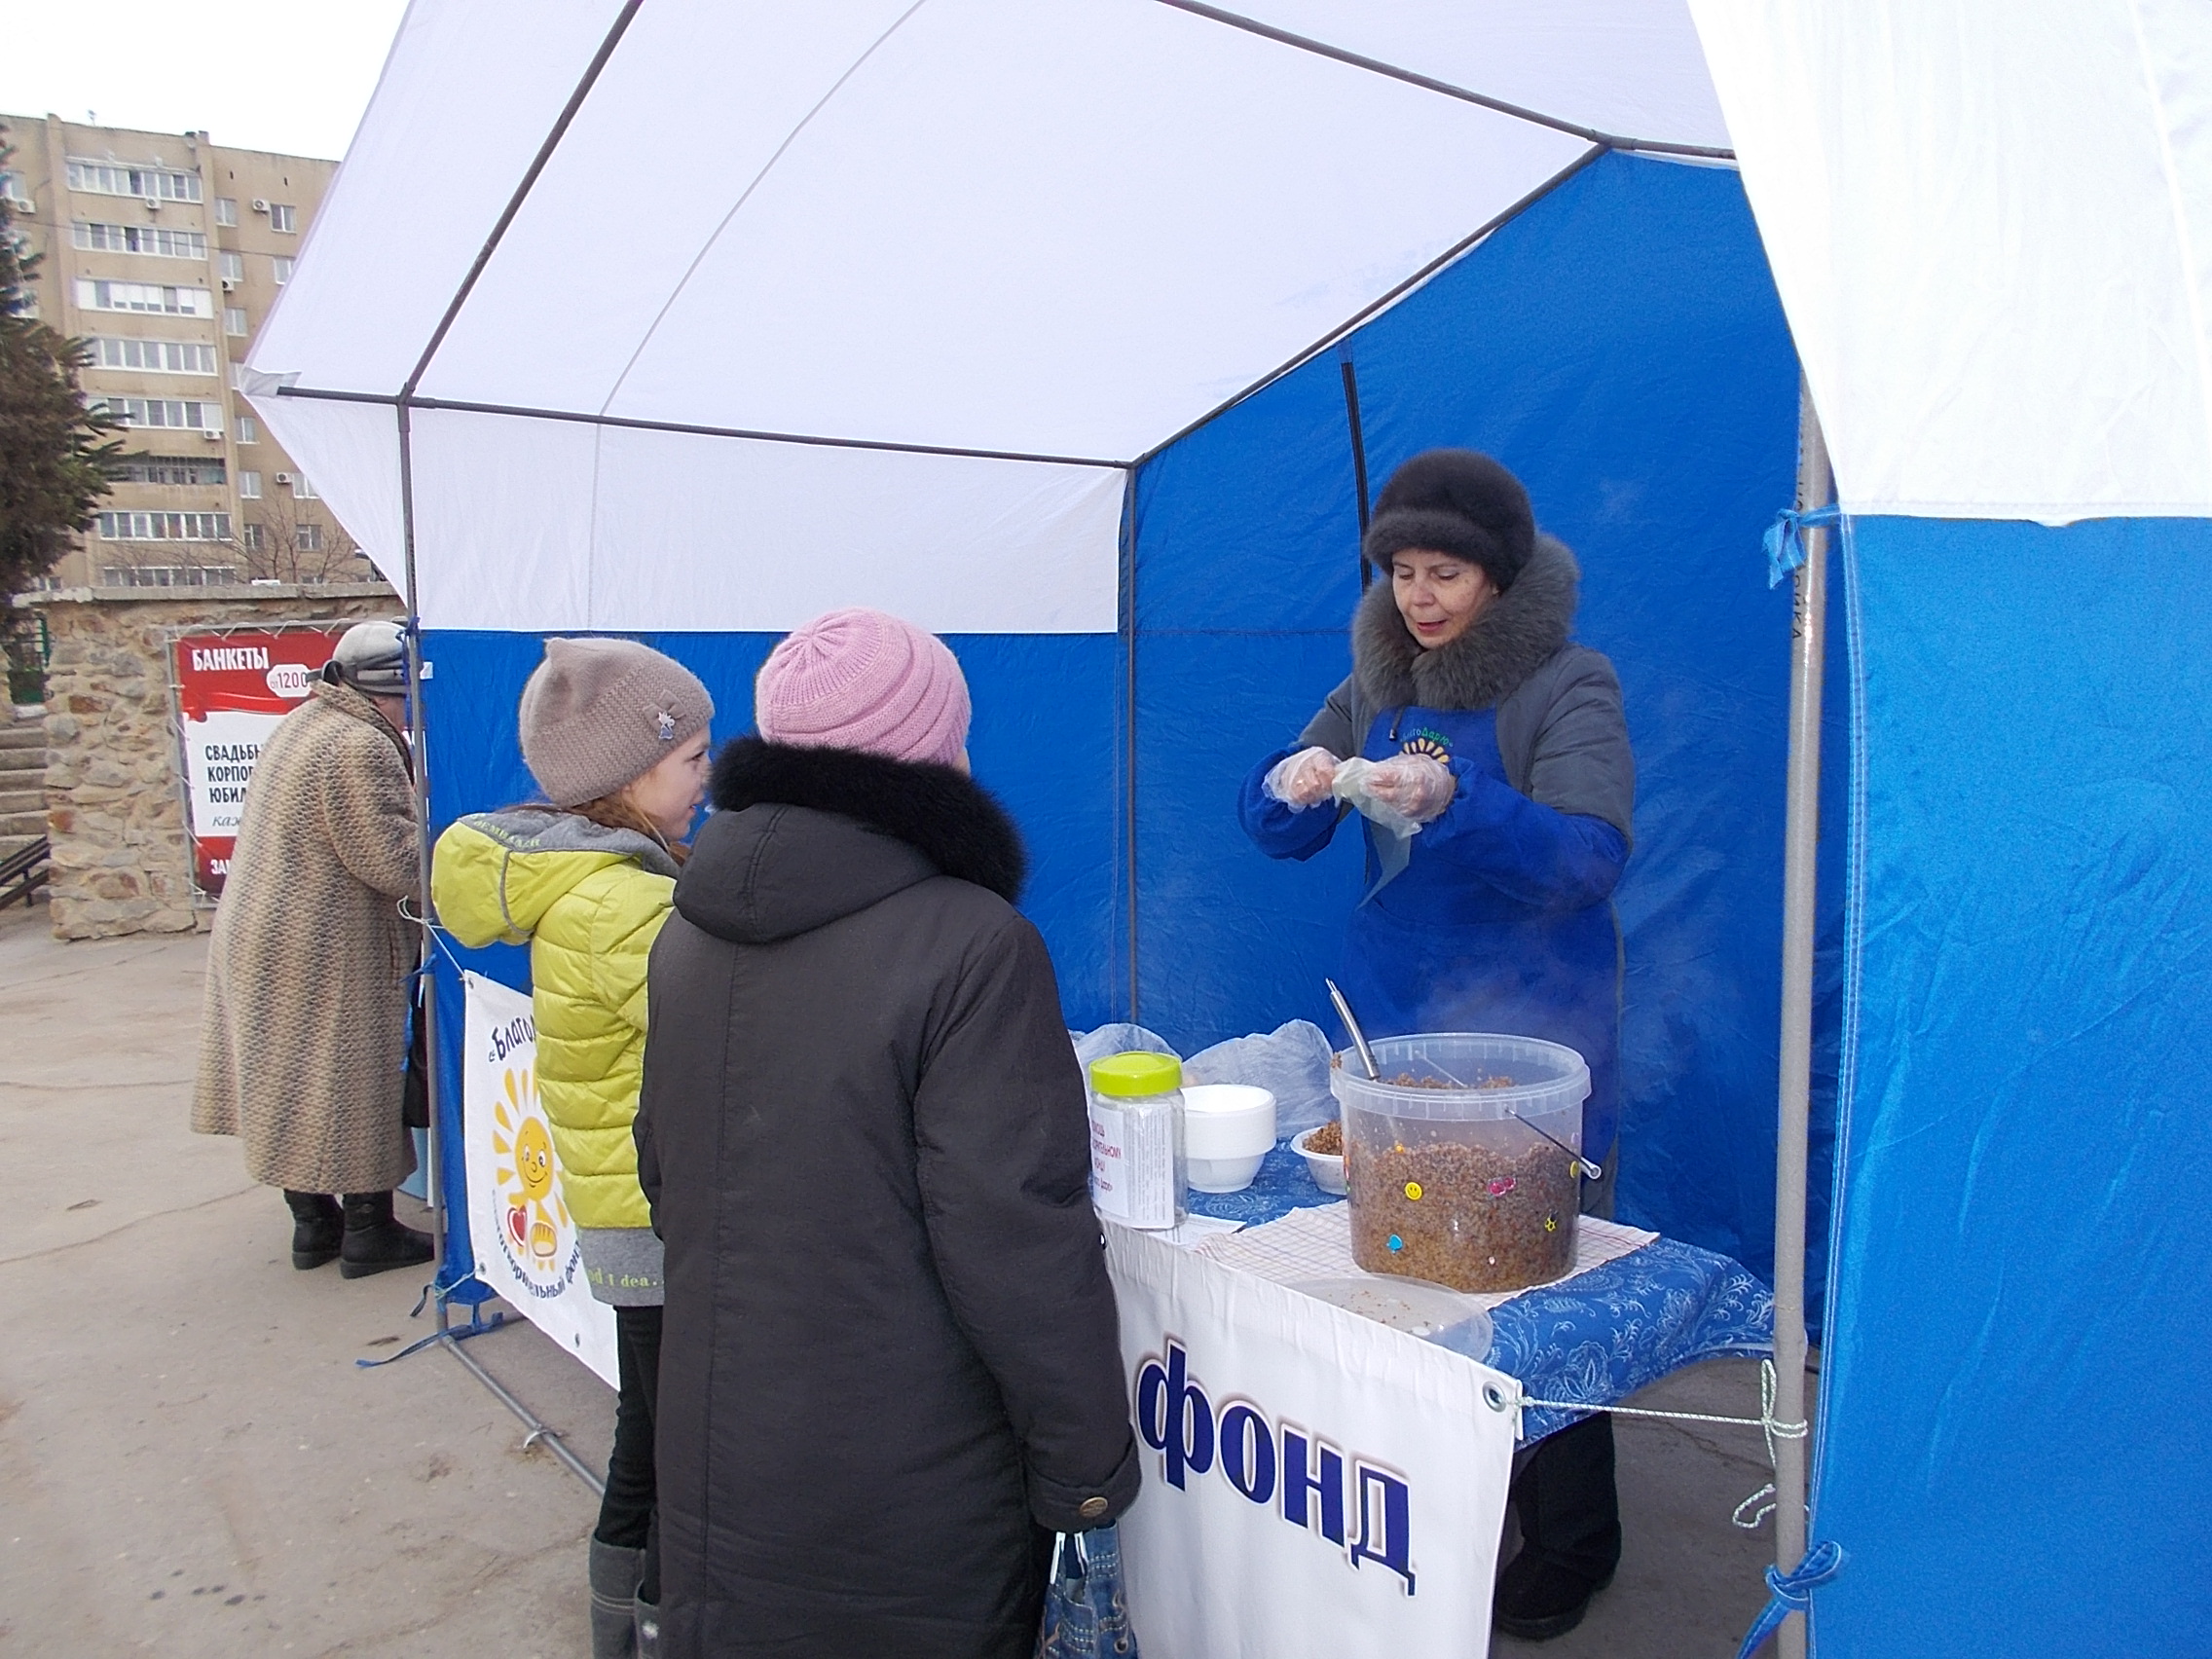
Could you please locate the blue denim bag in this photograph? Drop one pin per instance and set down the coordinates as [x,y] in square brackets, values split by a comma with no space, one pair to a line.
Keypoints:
[1086,1615]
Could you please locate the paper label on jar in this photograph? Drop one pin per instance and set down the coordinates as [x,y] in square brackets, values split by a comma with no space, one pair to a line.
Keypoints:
[1133,1164]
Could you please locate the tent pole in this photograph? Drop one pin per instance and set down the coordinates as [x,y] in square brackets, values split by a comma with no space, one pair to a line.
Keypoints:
[426,947]
[1801,843]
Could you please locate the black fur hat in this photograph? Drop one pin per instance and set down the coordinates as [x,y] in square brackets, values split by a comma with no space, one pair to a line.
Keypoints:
[1457,502]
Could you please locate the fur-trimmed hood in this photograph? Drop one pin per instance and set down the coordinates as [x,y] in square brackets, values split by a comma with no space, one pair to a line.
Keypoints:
[1521,631]
[803,836]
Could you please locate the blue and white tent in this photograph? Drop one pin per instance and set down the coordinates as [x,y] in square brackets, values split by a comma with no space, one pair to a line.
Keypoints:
[1078,332]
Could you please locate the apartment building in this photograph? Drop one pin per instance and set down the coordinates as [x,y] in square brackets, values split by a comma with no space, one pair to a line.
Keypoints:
[164,252]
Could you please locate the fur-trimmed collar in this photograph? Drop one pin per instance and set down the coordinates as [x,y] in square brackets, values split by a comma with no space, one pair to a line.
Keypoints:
[941,813]
[1517,635]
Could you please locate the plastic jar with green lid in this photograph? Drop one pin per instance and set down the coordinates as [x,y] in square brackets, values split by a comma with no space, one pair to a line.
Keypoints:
[1138,1172]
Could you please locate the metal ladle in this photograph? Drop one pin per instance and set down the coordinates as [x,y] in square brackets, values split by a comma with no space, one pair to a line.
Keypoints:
[1583,1164]
[1358,1037]
[1373,1075]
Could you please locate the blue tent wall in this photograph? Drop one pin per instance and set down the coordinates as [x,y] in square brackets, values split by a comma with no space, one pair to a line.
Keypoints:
[1621,346]
[2015,1450]
[1048,739]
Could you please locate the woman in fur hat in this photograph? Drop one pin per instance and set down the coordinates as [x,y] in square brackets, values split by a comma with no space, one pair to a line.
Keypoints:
[615,734]
[1505,742]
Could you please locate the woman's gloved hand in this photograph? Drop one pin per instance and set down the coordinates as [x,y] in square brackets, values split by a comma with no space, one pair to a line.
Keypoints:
[1414,785]
[1301,780]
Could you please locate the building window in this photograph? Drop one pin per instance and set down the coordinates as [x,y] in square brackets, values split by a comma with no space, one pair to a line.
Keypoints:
[152,297]
[283,269]
[164,526]
[226,209]
[157,240]
[307,537]
[168,575]
[172,412]
[154,356]
[233,320]
[167,469]
[250,538]
[283,216]
[19,197]
[249,430]
[250,485]
[148,184]
[233,267]
[302,487]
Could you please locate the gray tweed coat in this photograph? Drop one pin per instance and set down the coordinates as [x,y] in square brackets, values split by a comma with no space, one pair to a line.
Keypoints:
[305,1021]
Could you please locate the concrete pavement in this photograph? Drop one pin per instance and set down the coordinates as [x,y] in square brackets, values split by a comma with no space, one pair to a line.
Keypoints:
[191,1463]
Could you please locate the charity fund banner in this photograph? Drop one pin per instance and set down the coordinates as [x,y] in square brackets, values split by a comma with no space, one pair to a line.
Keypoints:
[1313,1482]
[232,688]
[523,1235]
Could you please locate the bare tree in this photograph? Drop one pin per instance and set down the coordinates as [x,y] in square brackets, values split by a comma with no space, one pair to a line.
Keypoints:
[276,528]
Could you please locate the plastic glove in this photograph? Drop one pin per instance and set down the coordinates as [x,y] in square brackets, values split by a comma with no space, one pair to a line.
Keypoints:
[1349,786]
[1301,780]
[1414,785]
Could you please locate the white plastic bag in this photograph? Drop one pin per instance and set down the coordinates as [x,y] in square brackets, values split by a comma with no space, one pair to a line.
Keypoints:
[1290,1063]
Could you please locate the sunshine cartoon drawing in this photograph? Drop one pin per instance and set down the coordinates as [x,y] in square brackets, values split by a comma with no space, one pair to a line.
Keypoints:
[536,1221]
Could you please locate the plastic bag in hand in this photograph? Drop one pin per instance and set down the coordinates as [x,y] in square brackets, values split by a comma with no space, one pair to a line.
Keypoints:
[1301,780]
[1414,785]
[1351,785]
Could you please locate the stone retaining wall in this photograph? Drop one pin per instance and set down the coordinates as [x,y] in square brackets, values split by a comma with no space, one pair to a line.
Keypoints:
[114,804]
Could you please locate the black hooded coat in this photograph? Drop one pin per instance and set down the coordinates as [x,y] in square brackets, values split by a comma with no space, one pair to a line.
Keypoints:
[891,1365]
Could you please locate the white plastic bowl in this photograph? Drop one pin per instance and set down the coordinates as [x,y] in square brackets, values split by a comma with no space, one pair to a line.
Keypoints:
[1224,1175]
[1326,1168]
[1228,1129]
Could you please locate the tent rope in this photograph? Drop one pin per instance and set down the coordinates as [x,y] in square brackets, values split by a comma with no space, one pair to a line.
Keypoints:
[1792,1592]
[1519,1400]
[1786,538]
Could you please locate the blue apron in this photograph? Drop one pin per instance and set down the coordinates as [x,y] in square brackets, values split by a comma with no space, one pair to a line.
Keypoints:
[1440,947]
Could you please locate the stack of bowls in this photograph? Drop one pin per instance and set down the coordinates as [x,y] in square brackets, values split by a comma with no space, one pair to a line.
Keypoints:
[1228,1129]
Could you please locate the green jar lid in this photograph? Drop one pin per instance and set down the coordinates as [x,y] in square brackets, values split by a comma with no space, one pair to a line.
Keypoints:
[1136,1074]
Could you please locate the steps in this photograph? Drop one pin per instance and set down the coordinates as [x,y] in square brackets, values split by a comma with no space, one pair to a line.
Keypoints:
[23,783]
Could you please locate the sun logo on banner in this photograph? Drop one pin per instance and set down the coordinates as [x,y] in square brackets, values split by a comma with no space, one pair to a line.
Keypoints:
[536,1233]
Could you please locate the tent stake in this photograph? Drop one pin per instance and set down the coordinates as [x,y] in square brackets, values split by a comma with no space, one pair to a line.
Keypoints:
[1800,868]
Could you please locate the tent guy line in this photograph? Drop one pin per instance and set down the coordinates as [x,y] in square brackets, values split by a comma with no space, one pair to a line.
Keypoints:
[1429,84]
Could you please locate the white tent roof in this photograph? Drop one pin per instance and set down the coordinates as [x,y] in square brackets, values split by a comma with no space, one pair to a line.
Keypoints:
[923,277]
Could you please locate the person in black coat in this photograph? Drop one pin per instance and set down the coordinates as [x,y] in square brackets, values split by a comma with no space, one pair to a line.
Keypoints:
[891,1368]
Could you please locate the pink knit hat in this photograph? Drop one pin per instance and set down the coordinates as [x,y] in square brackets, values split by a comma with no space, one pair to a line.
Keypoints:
[860,680]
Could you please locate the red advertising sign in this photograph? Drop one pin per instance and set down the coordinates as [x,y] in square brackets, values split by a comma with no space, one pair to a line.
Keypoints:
[232,688]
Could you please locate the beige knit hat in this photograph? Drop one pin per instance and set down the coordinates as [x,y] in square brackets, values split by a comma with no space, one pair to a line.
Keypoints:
[597,713]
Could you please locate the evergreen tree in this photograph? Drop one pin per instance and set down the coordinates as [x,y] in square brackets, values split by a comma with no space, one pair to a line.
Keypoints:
[56,453]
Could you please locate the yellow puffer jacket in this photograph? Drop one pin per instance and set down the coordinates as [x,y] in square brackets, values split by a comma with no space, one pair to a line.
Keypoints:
[589,901]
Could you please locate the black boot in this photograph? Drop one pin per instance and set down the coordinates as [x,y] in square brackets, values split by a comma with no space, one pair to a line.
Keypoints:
[318,1224]
[614,1576]
[376,1243]
[1571,1533]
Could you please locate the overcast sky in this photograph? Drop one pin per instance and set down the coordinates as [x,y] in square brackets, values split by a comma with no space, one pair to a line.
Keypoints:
[287,75]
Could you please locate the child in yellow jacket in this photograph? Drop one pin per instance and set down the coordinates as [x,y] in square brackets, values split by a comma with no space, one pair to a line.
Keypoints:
[615,734]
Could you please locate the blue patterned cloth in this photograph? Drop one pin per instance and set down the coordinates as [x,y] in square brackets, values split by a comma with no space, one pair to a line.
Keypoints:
[1598,1336]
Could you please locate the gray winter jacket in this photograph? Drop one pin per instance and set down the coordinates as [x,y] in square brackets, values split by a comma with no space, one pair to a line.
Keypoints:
[1561,730]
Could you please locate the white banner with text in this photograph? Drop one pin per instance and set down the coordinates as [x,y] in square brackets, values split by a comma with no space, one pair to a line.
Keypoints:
[1313,1482]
